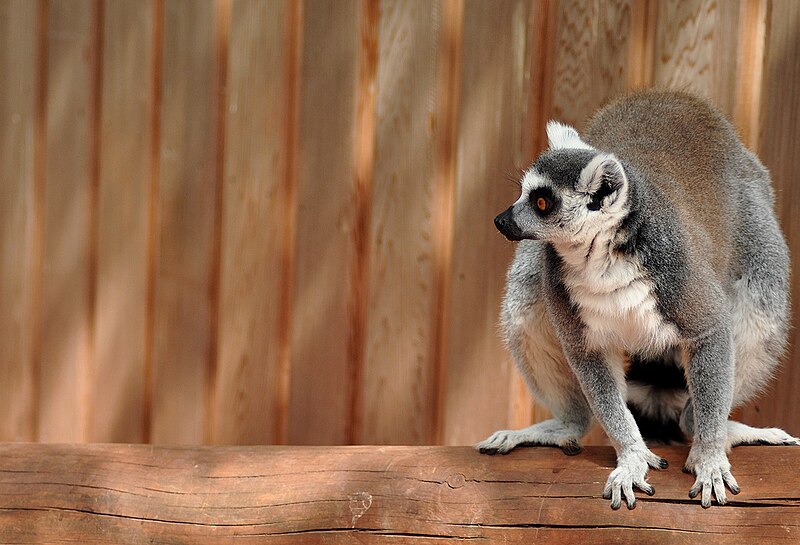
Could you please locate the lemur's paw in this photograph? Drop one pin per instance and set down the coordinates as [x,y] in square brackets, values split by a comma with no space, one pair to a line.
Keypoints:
[550,433]
[500,442]
[631,471]
[713,472]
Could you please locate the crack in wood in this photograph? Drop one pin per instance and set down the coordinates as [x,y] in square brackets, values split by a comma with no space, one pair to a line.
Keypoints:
[372,531]
[590,526]
[152,520]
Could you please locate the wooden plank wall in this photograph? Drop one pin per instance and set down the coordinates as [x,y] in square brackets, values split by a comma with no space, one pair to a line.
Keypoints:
[250,222]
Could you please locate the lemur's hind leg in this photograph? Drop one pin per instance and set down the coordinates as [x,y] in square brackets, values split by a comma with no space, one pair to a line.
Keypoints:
[540,358]
[760,331]
[572,416]
[741,434]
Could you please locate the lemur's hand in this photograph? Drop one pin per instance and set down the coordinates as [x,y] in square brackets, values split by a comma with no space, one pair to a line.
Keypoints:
[631,471]
[713,471]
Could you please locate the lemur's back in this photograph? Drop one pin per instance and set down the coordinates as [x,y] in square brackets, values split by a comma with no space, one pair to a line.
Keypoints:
[687,149]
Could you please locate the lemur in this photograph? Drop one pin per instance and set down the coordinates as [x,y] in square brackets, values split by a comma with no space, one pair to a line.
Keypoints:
[651,278]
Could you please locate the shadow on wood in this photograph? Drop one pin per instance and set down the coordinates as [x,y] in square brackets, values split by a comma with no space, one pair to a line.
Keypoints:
[143,494]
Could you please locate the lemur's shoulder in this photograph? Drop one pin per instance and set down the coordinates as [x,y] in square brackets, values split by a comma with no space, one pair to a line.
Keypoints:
[683,146]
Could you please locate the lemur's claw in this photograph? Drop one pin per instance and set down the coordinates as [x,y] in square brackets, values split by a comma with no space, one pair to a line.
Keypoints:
[572,448]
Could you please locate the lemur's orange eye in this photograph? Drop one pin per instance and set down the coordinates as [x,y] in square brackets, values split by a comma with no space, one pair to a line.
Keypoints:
[541,204]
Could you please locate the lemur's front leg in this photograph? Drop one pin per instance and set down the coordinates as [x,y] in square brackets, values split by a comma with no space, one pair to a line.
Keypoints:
[711,380]
[602,381]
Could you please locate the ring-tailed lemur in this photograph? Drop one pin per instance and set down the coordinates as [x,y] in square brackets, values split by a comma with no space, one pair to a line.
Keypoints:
[651,274]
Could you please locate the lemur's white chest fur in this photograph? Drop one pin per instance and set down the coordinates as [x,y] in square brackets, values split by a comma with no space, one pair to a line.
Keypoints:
[615,299]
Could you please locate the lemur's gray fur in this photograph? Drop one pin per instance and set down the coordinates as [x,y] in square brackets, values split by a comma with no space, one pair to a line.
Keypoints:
[649,243]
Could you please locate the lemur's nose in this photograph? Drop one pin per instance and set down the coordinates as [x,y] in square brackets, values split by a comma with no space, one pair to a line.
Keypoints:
[502,220]
[507,226]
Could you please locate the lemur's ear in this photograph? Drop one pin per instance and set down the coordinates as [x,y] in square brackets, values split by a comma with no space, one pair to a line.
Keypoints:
[560,136]
[603,180]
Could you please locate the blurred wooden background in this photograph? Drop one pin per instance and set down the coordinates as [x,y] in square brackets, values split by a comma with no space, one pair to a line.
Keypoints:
[270,221]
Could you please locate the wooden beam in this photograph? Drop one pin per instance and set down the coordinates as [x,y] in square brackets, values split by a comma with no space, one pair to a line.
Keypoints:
[143,494]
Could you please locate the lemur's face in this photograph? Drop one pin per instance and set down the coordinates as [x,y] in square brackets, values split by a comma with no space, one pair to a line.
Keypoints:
[571,193]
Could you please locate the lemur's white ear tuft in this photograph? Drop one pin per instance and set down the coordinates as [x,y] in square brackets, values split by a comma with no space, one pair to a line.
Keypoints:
[561,136]
[603,180]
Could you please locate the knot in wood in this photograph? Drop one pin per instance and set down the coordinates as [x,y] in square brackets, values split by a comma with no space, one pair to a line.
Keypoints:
[456,480]
[360,503]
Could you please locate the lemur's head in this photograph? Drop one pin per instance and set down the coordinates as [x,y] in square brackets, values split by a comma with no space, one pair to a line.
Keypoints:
[571,193]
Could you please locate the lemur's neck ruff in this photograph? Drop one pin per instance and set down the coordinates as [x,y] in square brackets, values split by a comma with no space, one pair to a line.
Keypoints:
[611,288]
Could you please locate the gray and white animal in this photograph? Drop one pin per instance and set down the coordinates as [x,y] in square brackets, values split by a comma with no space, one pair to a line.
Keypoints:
[652,277]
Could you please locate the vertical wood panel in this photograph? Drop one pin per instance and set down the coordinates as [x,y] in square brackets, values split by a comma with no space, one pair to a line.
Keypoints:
[126,134]
[293,57]
[448,97]
[66,332]
[185,225]
[320,406]
[321,386]
[247,398]
[364,159]
[779,137]
[749,69]
[594,45]
[222,26]
[696,43]
[156,93]
[399,377]
[489,144]
[18,31]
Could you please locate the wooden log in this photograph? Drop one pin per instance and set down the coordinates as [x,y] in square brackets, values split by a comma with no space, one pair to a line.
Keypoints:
[145,494]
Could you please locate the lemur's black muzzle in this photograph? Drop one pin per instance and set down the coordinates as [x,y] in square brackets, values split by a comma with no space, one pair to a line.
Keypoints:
[507,226]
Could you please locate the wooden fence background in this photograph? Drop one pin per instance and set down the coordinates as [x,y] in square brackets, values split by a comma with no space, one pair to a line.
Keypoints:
[270,221]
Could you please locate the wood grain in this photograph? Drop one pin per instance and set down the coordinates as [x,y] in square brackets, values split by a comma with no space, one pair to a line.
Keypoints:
[696,43]
[248,383]
[18,40]
[750,69]
[364,164]
[594,44]
[448,98]
[66,336]
[137,494]
[479,370]
[778,137]
[320,408]
[399,381]
[124,189]
[185,226]
[293,48]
